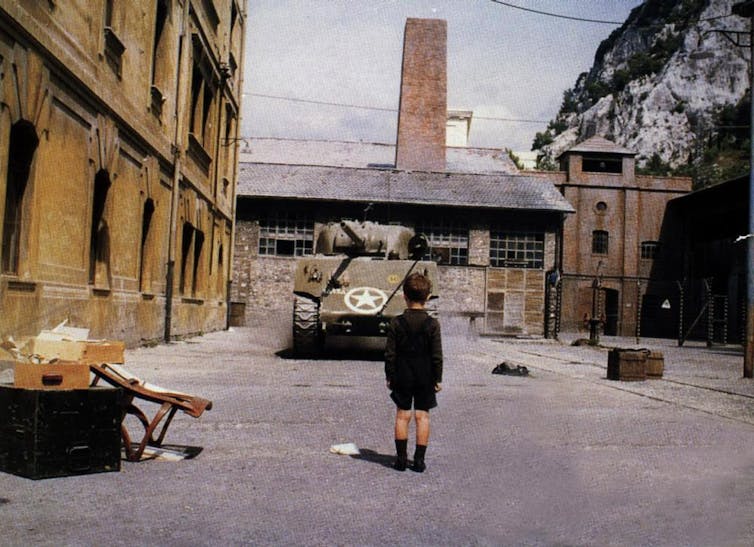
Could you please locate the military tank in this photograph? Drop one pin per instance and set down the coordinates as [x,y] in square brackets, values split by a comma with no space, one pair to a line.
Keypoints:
[351,286]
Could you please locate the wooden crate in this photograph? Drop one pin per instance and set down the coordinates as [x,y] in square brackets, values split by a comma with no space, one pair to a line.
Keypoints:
[57,375]
[56,433]
[655,364]
[627,365]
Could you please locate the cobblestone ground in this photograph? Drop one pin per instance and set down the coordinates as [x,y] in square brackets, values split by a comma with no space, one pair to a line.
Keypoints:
[561,457]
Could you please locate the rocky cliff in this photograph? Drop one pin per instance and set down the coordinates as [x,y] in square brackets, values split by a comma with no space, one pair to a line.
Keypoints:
[666,84]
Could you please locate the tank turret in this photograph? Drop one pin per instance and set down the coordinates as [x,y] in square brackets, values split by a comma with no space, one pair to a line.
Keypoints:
[354,238]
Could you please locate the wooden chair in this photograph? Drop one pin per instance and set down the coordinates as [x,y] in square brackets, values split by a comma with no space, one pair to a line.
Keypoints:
[135,388]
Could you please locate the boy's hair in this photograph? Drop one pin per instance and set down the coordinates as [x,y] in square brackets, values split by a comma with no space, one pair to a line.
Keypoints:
[417,287]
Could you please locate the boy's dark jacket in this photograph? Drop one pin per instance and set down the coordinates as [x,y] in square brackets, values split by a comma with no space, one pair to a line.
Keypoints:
[428,374]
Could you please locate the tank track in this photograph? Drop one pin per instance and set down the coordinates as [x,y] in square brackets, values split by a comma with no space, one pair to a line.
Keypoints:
[307,333]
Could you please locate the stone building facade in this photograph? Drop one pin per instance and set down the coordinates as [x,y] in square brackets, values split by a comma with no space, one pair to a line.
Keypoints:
[118,124]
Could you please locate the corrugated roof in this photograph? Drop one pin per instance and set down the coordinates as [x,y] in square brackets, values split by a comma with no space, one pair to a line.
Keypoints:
[600,145]
[390,186]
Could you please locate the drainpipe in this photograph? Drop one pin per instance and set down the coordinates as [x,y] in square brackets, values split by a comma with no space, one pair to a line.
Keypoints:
[178,147]
[232,242]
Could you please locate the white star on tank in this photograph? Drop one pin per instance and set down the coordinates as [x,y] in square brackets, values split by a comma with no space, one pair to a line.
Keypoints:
[365,300]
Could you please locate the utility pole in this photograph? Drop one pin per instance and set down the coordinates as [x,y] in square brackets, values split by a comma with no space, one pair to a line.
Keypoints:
[746,9]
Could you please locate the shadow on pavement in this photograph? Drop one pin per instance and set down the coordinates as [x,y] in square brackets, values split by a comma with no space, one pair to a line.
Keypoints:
[371,456]
[335,354]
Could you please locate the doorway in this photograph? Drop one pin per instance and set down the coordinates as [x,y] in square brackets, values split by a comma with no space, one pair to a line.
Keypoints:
[611,312]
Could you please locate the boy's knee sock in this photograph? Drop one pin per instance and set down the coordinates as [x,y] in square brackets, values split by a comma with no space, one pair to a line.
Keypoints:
[401,460]
[401,448]
[418,464]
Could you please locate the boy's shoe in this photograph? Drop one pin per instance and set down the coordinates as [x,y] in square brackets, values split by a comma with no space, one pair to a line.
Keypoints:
[419,466]
[400,464]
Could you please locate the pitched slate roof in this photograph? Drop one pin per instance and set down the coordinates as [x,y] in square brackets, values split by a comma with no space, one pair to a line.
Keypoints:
[367,154]
[311,182]
[601,145]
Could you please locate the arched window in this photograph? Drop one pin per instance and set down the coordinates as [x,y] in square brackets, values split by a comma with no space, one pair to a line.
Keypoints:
[160,57]
[23,145]
[186,241]
[99,245]
[146,223]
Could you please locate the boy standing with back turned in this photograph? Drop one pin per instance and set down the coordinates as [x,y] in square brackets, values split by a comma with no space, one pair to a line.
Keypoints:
[413,369]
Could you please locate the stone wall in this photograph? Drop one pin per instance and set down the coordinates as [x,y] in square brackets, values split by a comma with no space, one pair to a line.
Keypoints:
[94,185]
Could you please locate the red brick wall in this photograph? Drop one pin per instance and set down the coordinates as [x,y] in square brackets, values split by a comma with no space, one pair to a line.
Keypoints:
[423,104]
[634,214]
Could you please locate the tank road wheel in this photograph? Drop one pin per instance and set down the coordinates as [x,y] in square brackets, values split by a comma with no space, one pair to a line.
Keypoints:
[307,332]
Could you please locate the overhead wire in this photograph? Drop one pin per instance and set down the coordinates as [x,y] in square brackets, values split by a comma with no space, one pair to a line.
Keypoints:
[559,16]
[583,19]
[378,108]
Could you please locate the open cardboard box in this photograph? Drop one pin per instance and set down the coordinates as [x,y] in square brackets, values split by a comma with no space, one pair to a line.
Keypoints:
[51,345]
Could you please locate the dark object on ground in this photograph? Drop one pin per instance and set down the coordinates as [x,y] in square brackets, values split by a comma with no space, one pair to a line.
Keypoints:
[503,368]
[584,342]
[59,432]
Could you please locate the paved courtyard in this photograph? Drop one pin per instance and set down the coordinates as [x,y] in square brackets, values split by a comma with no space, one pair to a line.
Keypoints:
[561,457]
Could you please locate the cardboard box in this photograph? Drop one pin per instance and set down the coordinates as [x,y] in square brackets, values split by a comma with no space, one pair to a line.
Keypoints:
[49,376]
[51,346]
[105,351]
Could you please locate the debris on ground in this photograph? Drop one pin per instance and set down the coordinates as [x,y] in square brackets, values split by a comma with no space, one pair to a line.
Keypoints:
[504,368]
[346,449]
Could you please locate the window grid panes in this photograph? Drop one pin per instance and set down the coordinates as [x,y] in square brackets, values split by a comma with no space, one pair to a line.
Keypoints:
[286,234]
[512,249]
[448,242]
[649,249]
[600,241]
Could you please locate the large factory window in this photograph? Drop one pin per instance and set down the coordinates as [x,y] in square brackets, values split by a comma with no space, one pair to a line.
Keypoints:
[448,241]
[517,249]
[286,234]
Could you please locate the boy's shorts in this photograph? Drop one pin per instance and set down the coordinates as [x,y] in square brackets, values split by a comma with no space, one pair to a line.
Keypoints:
[422,400]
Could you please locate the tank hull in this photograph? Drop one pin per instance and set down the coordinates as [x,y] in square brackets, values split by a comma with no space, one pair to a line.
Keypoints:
[365,295]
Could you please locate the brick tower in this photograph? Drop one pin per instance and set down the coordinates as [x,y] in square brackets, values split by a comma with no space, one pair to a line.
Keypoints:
[423,102]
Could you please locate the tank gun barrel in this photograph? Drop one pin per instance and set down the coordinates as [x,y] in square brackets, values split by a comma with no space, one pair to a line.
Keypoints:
[360,242]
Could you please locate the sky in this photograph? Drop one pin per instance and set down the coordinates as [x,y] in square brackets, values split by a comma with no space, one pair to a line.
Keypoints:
[503,62]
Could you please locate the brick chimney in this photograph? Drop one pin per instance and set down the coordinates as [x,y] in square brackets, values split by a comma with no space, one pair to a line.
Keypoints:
[423,102]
